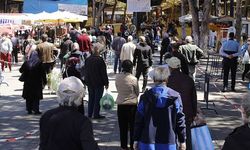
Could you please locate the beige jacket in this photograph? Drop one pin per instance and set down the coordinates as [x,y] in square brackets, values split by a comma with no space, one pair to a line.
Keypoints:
[45,51]
[127,88]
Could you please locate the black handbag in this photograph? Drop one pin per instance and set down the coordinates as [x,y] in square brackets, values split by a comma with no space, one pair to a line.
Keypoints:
[22,77]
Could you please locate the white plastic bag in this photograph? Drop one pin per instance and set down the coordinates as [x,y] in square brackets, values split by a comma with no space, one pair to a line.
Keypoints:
[245,59]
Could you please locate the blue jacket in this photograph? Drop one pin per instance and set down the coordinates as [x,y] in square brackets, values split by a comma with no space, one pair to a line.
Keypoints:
[159,119]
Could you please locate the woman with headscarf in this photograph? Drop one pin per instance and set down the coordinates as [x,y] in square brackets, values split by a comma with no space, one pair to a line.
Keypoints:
[128,91]
[64,127]
[34,82]
[159,118]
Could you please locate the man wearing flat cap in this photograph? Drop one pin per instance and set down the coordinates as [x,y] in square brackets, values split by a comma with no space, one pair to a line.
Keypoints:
[183,84]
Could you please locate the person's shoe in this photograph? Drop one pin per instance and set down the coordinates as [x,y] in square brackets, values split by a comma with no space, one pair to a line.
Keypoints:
[38,113]
[99,117]
[224,89]
[233,89]
[243,79]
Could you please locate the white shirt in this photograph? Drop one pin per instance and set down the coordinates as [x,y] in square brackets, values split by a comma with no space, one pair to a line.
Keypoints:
[127,51]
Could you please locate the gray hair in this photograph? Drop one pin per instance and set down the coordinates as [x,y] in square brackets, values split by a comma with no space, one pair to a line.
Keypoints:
[76,46]
[70,92]
[189,39]
[160,74]
[245,109]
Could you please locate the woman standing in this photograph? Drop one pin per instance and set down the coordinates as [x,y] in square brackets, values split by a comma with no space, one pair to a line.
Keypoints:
[34,82]
[128,91]
[245,48]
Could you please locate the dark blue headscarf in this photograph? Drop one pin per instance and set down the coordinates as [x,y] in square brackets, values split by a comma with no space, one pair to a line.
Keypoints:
[33,60]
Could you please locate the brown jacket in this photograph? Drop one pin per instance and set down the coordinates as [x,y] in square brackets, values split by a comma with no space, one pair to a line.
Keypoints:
[45,52]
[127,88]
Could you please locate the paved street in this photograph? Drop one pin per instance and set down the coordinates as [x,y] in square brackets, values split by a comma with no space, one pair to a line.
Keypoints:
[22,131]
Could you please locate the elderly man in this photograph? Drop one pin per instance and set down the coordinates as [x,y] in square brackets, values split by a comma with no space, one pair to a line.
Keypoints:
[183,84]
[128,50]
[96,78]
[46,54]
[230,50]
[192,53]
[64,127]
[142,60]
[159,117]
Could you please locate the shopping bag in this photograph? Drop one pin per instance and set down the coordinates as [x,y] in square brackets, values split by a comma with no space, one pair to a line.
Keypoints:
[55,78]
[245,59]
[107,101]
[201,138]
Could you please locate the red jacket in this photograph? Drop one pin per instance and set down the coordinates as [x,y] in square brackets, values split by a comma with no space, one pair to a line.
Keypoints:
[84,43]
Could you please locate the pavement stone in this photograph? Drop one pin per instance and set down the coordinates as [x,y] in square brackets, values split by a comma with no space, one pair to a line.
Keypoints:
[14,121]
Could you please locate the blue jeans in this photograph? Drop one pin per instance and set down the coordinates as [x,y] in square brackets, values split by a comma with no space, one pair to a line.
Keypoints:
[95,94]
[117,60]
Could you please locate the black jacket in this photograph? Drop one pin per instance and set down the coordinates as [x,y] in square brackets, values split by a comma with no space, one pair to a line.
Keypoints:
[96,72]
[64,128]
[239,139]
[143,55]
[183,84]
[35,80]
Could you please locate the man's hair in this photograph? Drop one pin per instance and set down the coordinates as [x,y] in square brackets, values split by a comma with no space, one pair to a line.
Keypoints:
[44,37]
[127,66]
[231,35]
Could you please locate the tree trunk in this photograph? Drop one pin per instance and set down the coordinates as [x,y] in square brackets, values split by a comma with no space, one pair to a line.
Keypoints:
[238,25]
[102,4]
[204,26]
[183,27]
[195,20]
[113,12]
[247,4]
[93,13]
[124,13]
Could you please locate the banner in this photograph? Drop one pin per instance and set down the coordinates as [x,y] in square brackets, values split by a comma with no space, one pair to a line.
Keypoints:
[74,6]
[139,5]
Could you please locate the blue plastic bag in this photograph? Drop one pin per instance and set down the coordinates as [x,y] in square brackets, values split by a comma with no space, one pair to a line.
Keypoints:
[201,138]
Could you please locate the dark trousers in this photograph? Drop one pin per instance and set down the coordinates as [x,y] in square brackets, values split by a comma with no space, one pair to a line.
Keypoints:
[229,64]
[15,54]
[247,68]
[144,71]
[95,94]
[188,134]
[32,104]
[117,62]
[126,119]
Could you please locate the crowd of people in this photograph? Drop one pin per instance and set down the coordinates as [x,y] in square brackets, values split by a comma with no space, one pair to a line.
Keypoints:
[159,119]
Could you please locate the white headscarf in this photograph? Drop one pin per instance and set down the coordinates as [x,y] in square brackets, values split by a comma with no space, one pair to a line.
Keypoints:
[70,92]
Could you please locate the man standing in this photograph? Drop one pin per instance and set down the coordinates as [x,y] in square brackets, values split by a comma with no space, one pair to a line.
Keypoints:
[15,42]
[66,46]
[45,53]
[192,53]
[117,46]
[128,50]
[84,43]
[183,84]
[5,50]
[142,60]
[230,50]
[96,78]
